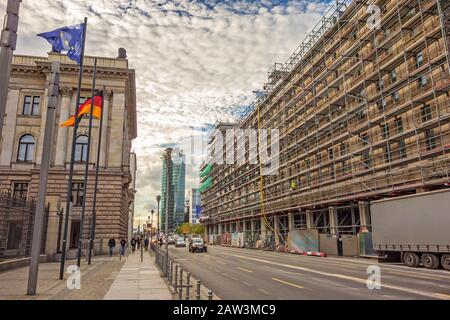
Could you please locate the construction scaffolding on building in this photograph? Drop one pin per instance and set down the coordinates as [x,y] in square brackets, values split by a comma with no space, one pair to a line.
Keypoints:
[363,109]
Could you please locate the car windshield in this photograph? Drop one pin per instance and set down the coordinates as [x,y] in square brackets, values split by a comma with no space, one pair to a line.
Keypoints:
[198,241]
[180,240]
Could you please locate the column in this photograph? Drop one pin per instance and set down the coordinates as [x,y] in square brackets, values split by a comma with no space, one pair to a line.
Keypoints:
[334,223]
[9,129]
[105,142]
[276,226]
[263,229]
[244,226]
[309,219]
[40,139]
[61,139]
[252,226]
[116,140]
[364,214]
[238,229]
[219,228]
[291,220]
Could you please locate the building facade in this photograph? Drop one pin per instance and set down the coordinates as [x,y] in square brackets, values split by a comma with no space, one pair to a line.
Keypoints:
[362,108]
[22,144]
[177,191]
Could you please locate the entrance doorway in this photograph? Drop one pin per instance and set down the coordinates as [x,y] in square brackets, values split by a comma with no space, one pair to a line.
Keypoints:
[75,234]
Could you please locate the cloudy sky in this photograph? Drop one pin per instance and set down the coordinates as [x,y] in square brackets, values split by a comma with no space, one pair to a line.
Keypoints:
[197,61]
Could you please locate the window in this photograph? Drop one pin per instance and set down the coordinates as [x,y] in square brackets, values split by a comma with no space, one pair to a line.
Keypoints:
[430,139]
[381,84]
[387,154]
[330,153]
[399,124]
[20,190]
[396,96]
[77,194]
[365,139]
[402,148]
[381,104]
[423,81]
[385,131]
[26,148]
[393,75]
[14,235]
[81,146]
[426,112]
[31,105]
[419,59]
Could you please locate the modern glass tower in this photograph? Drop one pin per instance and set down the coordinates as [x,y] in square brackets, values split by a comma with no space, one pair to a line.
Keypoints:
[177,176]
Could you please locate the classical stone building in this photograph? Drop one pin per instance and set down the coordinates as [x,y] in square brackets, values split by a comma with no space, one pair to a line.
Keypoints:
[22,143]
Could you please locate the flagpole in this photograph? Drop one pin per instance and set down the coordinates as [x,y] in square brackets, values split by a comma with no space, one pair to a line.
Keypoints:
[97,168]
[86,168]
[72,158]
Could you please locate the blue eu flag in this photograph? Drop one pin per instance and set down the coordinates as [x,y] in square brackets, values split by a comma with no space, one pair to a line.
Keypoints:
[67,39]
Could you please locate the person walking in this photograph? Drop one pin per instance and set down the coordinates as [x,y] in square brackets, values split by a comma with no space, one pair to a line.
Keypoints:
[123,242]
[111,245]
[138,242]
[146,244]
[133,244]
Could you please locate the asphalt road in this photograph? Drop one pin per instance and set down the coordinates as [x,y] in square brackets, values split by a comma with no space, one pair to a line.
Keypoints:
[235,273]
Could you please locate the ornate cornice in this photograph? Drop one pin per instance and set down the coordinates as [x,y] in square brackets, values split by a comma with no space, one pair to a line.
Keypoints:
[66,92]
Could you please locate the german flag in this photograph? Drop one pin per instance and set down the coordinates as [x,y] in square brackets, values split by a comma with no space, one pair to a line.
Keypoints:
[84,109]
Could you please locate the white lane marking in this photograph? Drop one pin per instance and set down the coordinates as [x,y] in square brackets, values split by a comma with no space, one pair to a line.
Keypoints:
[221,262]
[344,277]
[264,291]
[247,284]
[246,270]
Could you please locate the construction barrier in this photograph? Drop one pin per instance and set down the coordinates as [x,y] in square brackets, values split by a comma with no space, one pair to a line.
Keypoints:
[366,244]
[349,245]
[303,241]
[328,244]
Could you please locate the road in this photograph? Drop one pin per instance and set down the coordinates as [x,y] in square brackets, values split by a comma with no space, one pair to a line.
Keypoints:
[245,274]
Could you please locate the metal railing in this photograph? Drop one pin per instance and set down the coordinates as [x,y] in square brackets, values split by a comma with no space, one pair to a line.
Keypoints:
[183,284]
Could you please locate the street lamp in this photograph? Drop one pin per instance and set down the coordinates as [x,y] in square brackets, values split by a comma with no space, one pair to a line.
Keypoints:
[151,228]
[158,199]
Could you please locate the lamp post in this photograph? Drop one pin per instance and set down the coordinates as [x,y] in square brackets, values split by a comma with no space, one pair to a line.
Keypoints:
[151,228]
[158,199]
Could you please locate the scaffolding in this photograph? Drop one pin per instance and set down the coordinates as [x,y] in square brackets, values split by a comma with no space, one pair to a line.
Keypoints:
[363,113]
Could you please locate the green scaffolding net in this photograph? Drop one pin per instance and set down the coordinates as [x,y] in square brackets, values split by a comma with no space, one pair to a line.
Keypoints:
[205,185]
[206,171]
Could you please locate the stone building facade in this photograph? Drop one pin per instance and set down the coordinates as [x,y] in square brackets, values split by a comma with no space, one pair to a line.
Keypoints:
[22,143]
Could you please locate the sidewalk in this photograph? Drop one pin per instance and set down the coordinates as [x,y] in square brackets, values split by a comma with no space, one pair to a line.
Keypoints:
[138,281]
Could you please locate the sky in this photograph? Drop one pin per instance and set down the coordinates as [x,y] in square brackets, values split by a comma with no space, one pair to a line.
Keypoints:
[196,61]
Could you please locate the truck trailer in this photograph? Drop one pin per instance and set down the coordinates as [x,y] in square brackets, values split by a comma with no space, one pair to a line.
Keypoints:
[416,228]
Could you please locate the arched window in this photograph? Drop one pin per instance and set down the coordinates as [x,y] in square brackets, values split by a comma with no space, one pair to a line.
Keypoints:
[81,147]
[26,148]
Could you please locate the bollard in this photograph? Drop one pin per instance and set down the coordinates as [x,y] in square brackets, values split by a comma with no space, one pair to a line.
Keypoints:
[197,296]
[210,295]
[188,283]
[175,283]
[180,291]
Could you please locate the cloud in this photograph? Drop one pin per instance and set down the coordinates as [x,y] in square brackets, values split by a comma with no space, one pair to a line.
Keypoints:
[194,59]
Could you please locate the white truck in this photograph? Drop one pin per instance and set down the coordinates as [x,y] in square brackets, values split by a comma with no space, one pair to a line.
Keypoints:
[415,227]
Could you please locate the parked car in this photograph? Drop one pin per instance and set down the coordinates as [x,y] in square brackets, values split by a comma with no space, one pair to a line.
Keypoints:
[197,245]
[180,243]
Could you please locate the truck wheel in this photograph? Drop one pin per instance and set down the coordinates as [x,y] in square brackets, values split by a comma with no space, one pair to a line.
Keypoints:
[445,261]
[411,259]
[430,261]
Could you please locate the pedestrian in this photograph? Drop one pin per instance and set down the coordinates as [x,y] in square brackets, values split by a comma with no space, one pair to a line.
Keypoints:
[133,244]
[138,241]
[111,245]
[123,242]
[146,244]
[160,241]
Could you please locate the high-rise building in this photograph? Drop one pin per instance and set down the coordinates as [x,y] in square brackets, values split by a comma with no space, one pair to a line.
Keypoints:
[176,207]
[362,109]
[195,206]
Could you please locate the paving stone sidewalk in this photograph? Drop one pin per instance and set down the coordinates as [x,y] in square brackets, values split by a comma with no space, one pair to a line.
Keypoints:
[139,281]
